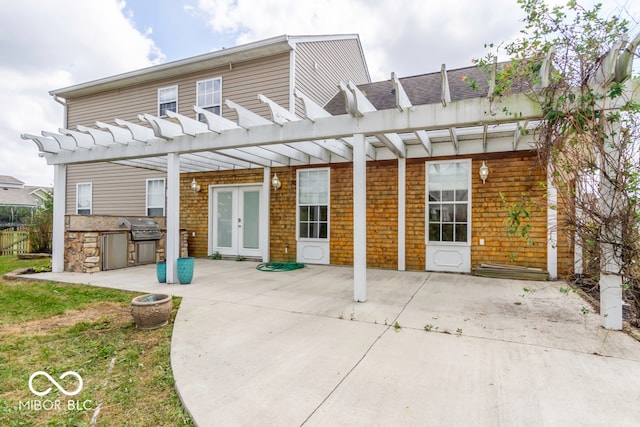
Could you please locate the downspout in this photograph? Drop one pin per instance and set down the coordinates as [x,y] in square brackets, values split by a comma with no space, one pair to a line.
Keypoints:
[65,113]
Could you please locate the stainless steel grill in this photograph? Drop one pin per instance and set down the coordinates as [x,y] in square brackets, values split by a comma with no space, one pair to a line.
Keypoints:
[141,228]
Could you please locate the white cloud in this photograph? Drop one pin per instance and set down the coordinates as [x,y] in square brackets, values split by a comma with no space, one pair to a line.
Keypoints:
[408,37]
[49,45]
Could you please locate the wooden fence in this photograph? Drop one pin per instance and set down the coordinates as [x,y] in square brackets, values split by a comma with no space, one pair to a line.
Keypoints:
[14,242]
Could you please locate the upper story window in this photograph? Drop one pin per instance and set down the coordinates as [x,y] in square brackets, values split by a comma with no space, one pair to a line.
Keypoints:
[155,197]
[84,198]
[209,96]
[167,100]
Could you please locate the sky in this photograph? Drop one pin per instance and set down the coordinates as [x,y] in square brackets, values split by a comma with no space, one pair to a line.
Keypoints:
[47,45]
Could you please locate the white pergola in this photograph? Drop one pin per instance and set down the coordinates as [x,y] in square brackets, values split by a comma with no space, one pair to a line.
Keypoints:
[182,144]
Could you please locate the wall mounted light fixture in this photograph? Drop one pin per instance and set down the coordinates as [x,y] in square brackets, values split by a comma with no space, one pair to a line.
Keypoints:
[484,172]
[275,182]
[194,186]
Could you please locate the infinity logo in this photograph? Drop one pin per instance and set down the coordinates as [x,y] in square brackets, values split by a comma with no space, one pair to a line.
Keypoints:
[52,381]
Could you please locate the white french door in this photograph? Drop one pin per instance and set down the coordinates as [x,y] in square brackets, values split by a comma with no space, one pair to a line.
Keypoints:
[234,220]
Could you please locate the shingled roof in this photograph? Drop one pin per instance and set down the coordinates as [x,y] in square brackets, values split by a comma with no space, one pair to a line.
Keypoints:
[13,192]
[421,89]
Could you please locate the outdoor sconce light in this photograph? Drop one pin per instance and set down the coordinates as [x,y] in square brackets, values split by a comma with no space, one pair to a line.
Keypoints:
[194,186]
[275,182]
[484,172]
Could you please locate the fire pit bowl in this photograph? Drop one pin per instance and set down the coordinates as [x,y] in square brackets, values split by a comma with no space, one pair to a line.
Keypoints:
[151,311]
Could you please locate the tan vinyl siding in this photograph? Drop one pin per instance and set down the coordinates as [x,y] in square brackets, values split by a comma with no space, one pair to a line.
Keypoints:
[241,83]
[337,60]
[116,189]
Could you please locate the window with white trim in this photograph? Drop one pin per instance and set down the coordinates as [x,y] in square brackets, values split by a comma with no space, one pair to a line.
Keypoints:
[313,203]
[155,197]
[209,96]
[448,207]
[167,100]
[84,198]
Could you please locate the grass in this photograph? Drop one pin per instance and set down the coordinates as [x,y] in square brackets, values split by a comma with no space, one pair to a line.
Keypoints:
[57,328]
[10,263]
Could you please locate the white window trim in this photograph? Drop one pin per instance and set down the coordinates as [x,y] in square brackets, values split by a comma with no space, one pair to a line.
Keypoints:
[164,197]
[212,105]
[426,203]
[90,184]
[158,98]
[313,239]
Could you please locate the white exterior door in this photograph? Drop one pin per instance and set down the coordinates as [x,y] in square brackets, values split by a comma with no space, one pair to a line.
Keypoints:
[312,217]
[234,221]
[448,216]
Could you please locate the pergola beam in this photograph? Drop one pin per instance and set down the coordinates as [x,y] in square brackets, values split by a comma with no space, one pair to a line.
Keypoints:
[470,112]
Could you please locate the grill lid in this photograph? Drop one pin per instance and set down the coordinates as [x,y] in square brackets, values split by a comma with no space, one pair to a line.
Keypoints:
[141,228]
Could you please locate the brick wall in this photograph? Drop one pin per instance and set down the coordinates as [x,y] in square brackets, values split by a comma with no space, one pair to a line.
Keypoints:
[382,214]
[283,216]
[341,215]
[415,249]
[511,174]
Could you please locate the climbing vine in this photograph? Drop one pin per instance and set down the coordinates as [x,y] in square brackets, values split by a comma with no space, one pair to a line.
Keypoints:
[576,62]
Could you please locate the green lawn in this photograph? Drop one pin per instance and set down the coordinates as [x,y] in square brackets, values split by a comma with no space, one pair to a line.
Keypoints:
[10,263]
[56,328]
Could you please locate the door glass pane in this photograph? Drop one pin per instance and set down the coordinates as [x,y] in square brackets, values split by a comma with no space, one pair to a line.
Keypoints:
[434,232]
[434,213]
[461,213]
[251,220]
[461,232]
[225,219]
[449,183]
[304,229]
[447,232]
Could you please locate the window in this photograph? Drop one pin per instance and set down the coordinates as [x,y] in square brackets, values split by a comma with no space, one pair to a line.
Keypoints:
[155,197]
[209,96]
[313,204]
[167,100]
[448,203]
[83,198]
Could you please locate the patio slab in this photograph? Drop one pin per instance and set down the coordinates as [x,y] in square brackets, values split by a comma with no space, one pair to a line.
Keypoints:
[292,348]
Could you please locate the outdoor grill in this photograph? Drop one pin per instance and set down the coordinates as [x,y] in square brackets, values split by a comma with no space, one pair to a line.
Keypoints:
[141,228]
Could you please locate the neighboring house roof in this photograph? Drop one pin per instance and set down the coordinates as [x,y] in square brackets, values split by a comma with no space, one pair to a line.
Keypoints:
[10,182]
[13,192]
[222,57]
[422,89]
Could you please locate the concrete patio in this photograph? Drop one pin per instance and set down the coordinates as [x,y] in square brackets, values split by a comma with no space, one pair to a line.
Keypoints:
[426,349]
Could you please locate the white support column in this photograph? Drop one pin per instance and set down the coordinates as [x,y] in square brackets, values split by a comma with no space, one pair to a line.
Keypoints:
[552,226]
[265,220]
[359,218]
[59,202]
[610,267]
[402,199]
[172,243]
